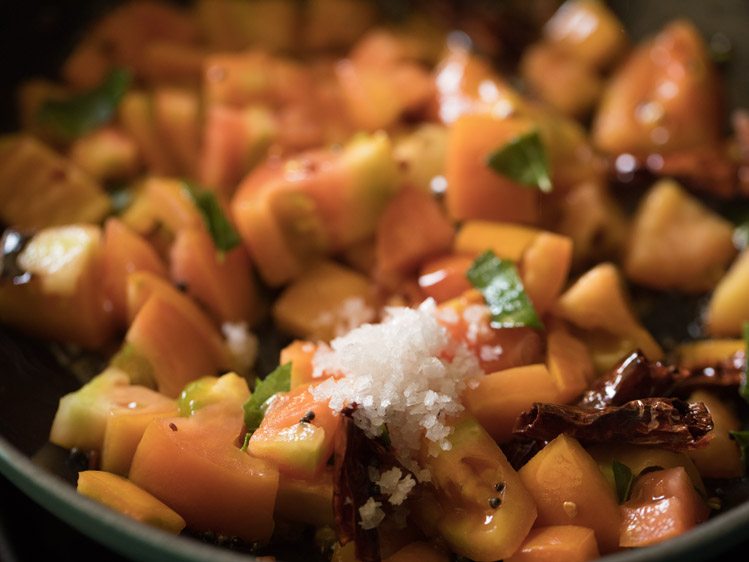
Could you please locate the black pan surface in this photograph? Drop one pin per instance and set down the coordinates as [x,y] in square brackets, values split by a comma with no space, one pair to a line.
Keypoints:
[34,37]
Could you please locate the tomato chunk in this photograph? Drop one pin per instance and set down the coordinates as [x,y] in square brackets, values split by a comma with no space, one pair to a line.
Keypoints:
[664,505]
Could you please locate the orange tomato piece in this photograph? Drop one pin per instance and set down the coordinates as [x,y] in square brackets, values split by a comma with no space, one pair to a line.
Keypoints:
[221,282]
[444,278]
[125,252]
[544,269]
[122,495]
[467,319]
[195,467]
[570,489]
[300,354]
[558,542]
[176,349]
[411,229]
[664,504]
[474,190]
[663,98]
[500,397]
[299,448]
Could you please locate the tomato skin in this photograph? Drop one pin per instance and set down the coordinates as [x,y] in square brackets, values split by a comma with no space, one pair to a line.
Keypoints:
[199,471]
[465,478]
[122,495]
[63,300]
[223,284]
[569,489]
[125,252]
[170,331]
[467,320]
[291,213]
[570,543]
[686,113]
[412,228]
[444,278]
[299,448]
[664,505]
[474,190]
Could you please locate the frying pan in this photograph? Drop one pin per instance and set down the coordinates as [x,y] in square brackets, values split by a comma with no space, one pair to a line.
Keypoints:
[34,38]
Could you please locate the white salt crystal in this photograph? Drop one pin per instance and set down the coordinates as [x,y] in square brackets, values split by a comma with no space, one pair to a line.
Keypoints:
[395,484]
[388,480]
[397,374]
[404,487]
[490,352]
[352,313]
[448,315]
[371,514]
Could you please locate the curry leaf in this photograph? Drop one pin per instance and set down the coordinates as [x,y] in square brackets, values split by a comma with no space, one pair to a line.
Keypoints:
[623,479]
[742,439]
[523,159]
[256,405]
[499,282]
[222,232]
[73,117]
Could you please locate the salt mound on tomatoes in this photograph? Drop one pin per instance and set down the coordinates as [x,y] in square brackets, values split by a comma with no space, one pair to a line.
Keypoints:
[405,374]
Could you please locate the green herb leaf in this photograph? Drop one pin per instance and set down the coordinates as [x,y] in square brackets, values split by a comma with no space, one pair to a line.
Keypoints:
[224,235]
[385,437]
[71,118]
[623,479]
[246,442]
[499,282]
[742,439]
[256,405]
[524,161]
[744,386]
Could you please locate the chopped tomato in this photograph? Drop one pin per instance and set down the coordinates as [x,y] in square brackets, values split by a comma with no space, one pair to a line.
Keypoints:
[664,504]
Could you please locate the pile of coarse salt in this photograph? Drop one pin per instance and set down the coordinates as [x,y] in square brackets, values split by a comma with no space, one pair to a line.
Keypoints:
[352,313]
[397,375]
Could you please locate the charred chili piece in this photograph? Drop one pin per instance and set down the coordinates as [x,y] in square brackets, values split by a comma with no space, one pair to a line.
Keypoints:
[351,489]
[662,422]
[634,378]
[354,454]
[727,373]
[519,450]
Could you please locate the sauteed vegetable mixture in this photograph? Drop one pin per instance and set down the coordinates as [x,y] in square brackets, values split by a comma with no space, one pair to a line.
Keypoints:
[444,233]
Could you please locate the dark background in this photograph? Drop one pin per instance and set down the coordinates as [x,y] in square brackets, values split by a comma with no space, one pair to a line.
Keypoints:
[34,37]
[28,533]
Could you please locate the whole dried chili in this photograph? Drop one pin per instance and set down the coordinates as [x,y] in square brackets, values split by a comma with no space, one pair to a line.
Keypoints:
[353,452]
[725,373]
[636,377]
[663,422]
